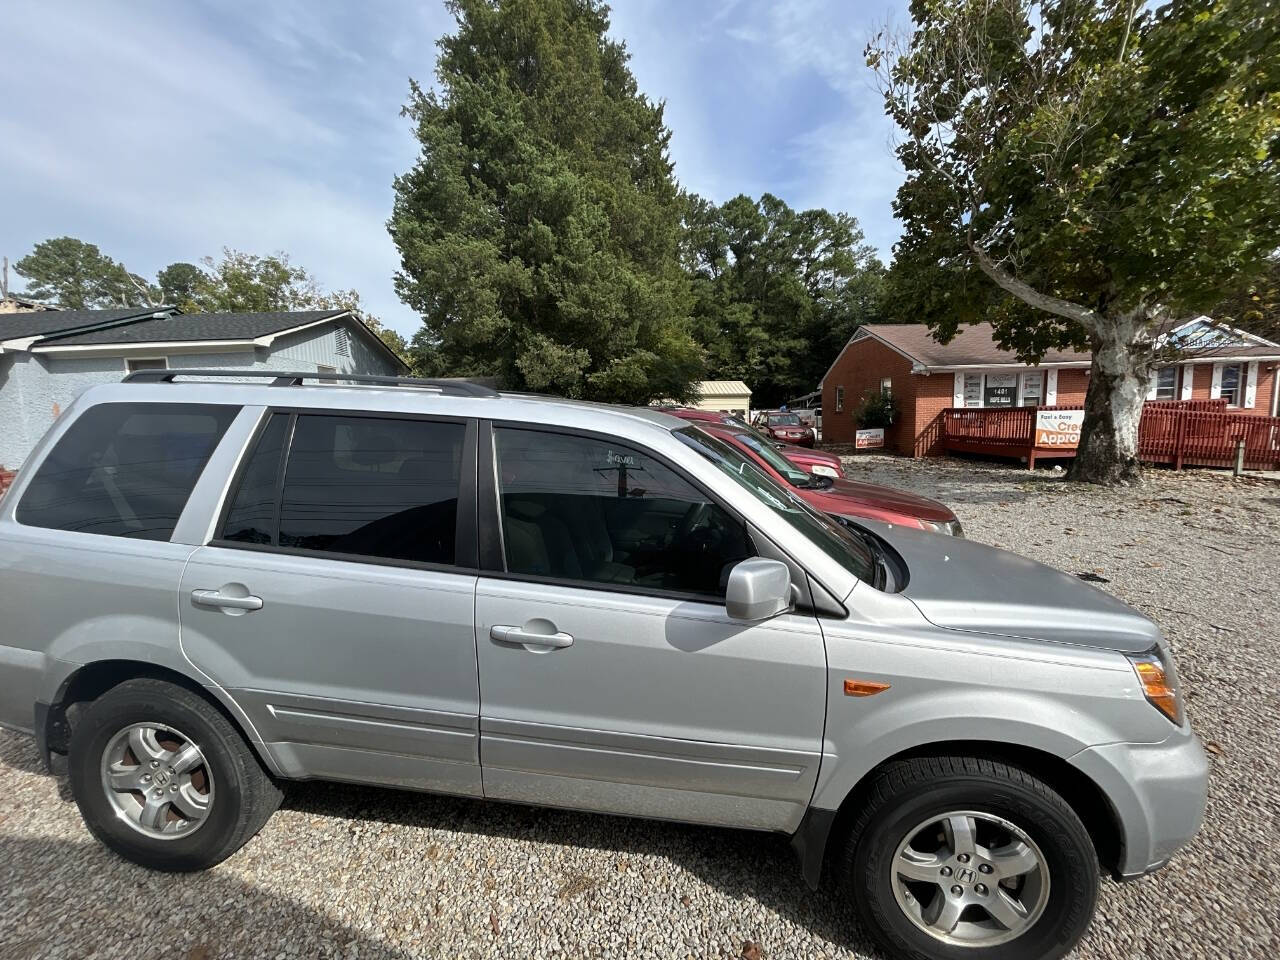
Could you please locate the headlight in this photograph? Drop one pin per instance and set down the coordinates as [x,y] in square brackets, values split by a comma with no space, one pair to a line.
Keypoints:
[820,470]
[1159,681]
[950,528]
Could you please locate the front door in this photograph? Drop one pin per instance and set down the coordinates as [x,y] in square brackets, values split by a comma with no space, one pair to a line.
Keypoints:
[610,677]
[334,605]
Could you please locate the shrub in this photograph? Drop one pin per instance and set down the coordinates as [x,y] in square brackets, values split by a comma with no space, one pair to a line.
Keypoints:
[876,410]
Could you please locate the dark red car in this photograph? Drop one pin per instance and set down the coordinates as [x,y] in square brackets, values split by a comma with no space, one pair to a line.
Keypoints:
[787,428]
[817,462]
[841,498]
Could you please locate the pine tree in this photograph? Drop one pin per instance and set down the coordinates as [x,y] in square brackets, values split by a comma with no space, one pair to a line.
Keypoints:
[539,228]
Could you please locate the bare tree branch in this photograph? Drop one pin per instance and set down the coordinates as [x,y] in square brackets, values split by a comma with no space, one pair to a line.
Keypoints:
[1091,320]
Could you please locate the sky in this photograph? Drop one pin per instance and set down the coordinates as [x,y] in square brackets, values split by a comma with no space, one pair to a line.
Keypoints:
[166,131]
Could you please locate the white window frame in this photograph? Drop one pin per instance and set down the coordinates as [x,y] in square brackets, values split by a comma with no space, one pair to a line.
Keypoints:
[145,363]
[886,386]
[1155,384]
[1219,370]
[1022,387]
[839,399]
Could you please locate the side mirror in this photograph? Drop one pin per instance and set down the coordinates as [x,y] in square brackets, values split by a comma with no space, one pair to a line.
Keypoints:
[758,589]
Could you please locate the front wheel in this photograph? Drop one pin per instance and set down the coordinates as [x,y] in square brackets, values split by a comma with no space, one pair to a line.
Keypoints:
[956,857]
[164,779]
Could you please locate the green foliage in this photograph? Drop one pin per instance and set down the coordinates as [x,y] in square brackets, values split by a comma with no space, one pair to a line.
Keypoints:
[778,292]
[538,229]
[1082,172]
[1255,305]
[78,276]
[876,409]
[1120,175]
[179,283]
[244,282]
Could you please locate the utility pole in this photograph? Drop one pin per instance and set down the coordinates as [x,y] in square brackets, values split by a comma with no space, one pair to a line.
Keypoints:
[4,281]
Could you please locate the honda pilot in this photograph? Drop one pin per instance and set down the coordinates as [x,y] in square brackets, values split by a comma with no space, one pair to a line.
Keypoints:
[214,587]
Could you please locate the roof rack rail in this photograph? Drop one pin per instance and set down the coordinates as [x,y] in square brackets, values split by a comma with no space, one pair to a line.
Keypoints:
[279,378]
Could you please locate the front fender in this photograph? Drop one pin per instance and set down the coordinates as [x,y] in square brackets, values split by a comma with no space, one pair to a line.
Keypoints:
[856,745]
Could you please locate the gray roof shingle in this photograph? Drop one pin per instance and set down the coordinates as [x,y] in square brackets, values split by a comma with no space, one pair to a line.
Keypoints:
[197,326]
[972,345]
[42,323]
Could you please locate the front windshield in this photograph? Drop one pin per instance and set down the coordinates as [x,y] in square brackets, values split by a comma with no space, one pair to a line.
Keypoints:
[769,454]
[784,420]
[841,545]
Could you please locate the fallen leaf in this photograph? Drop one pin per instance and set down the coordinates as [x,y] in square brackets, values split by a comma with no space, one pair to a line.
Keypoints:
[493,922]
[199,952]
[685,901]
[750,951]
[1214,747]
[622,866]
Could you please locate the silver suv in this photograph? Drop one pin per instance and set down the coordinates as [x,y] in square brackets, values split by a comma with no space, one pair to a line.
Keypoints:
[213,586]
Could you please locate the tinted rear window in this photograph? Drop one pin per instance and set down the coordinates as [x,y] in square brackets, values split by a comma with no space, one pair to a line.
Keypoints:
[125,469]
[252,516]
[373,487]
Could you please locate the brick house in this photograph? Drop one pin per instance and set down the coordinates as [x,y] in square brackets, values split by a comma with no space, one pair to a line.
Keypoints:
[925,377]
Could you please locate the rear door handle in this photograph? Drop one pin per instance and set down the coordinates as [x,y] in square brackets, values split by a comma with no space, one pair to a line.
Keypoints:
[506,634]
[215,598]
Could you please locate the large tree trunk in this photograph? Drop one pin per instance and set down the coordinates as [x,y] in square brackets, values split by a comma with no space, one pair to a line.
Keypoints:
[1118,384]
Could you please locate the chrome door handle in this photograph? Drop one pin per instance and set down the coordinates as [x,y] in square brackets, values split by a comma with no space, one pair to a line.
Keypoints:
[215,598]
[505,634]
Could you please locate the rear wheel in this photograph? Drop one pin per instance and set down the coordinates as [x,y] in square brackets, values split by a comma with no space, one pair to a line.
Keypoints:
[956,857]
[163,778]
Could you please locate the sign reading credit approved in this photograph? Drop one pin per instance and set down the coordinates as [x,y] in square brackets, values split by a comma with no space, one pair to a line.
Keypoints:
[1058,428]
[869,439]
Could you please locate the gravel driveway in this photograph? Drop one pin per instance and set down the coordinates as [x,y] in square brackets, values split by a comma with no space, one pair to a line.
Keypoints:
[348,872]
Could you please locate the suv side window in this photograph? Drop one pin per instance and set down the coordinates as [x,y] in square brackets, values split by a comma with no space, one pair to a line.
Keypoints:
[252,516]
[579,508]
[380,488]
[125,469]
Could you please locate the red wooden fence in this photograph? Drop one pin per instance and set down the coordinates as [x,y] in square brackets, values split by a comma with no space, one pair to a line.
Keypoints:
[6,478]
[1192,432]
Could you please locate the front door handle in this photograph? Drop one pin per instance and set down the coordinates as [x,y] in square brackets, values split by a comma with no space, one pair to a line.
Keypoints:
[518,635]
[216,598]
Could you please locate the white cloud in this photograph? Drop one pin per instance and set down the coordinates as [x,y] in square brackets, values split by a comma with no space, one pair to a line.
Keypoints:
[165,131]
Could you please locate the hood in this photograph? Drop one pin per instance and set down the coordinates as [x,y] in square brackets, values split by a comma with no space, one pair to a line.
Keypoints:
[807,455]
[885,498]
[963,585]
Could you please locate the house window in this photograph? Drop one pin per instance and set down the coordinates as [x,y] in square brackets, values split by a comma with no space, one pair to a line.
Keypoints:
[146,363]
[1033,388]
[1166,383]
[1000,390]
[886,386]
[325,368]
[839,399]
[1231,384]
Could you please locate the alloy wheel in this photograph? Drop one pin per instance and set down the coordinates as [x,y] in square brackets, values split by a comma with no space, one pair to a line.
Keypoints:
[970,878]
[157,780]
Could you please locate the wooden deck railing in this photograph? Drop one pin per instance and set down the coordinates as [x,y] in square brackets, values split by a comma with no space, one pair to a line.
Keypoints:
[1190,432]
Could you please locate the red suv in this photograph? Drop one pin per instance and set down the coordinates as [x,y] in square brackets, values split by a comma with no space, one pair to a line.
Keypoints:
[787,427]
[817,462]
[841,498]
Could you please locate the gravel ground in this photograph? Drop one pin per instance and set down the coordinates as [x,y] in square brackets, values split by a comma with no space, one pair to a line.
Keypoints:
[353,872]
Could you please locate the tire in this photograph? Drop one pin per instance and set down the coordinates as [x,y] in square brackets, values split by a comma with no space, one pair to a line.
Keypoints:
[1016,819]
[210,802]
